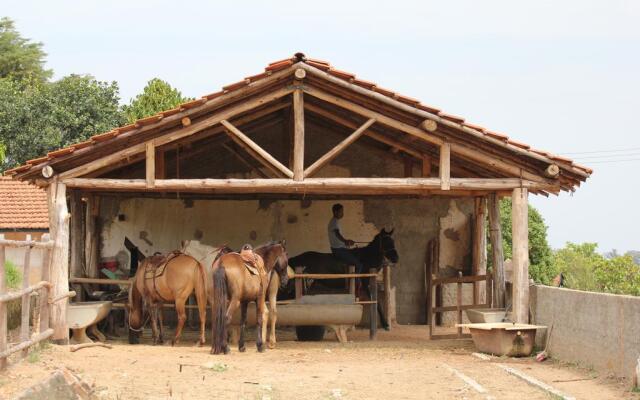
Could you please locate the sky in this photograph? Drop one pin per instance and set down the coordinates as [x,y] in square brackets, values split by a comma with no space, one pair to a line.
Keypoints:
[563,76]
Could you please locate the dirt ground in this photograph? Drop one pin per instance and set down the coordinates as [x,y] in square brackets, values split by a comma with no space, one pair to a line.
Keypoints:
[401,364]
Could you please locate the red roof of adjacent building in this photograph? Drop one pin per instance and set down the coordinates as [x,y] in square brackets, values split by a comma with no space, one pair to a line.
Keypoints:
[22,206]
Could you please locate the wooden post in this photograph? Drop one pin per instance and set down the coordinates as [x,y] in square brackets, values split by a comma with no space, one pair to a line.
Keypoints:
[387,293]
[76,245]
[426,167]
[298,135]
[91,236]
[44,292]
[26,300]
[373,307]
[352,281]
[299,283]
[59,266]
[520,234]
[445,166]
[497,256]
[459,303]
[150,164]
[3,310]
[479,264]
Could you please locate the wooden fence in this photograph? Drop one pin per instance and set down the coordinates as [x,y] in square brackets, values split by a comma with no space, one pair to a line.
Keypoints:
[41,329]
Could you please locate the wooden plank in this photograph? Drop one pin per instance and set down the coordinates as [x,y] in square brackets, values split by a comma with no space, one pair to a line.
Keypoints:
[59,228]
[245,142]
[150,164]
[298,135]
[178,134]
[497,255]
[519,211]
[101,281]
[25,345]
[383,119]
[3,309]
[339,148]
[373,309]
[47,244]
[479,249]
[26,299]
[445,166]
[16,294]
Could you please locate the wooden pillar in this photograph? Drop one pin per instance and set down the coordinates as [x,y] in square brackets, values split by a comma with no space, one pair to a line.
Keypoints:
[352,281]
[91,236]
[59,267]
[150,164]
[373,307]
[26,300]
[299,283]
[520,235]
[46,276]
[445,166]
[479,264]
[298,135]
[388,304]
[497,255]
[3,309]
[76,245]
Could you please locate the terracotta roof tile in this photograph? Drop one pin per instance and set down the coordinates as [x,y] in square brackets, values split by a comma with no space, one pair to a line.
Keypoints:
[341,74]
[22,206]
[212,96]
[453,118]
[384,91]
[17,169]
[103,136]
[257,77]
[324,67]
[364,84]
[428,108]
[126,128]
[407,100]
[316,61]
[284,60]
[82,145]
[497,135]
[193,103]
[474,126]
[63,151]
[561,158]
[168,113]
[149,120]
[519,144]
[37,160]
[235,86]
[279,65]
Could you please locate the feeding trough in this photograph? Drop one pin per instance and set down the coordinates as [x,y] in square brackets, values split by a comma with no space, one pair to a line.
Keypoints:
[503,338]
[480,315]
[87,314]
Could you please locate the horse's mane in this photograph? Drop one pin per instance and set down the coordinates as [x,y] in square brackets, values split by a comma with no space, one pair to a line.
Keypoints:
[268,244]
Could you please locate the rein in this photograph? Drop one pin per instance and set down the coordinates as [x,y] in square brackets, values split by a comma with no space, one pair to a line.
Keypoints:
[141,326]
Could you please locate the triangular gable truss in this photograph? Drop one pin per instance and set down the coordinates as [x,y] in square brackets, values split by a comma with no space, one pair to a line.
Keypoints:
[430,138]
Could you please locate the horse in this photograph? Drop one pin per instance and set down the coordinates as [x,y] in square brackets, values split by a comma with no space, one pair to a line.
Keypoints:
[160,279]
[267,252]
[233,282]
[380,251]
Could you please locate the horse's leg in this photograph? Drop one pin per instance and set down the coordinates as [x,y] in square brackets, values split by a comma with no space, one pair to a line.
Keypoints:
[153,313]
[243,323]
[201,297]
[182,317]
[273,314]
[261,310]
[160,323]
[233,306]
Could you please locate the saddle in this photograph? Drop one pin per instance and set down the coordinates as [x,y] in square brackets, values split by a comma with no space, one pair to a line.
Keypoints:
[156,265]
[252,261]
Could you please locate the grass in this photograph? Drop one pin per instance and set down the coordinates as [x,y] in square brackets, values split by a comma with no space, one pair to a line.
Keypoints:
[36,351]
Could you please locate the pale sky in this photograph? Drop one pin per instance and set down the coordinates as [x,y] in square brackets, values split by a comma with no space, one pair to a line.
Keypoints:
[563,76]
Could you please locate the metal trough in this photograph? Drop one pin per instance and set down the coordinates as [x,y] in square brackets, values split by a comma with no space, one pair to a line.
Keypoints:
[503,338]
[83,315]
[480,315]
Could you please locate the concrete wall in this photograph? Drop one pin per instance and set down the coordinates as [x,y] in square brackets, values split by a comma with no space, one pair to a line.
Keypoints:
[593,329]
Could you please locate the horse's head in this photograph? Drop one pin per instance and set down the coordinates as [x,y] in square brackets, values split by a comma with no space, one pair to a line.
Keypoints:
[387,245]
[282,264]
[135,308]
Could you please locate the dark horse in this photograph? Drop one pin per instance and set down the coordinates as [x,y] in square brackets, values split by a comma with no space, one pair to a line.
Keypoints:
[378,253]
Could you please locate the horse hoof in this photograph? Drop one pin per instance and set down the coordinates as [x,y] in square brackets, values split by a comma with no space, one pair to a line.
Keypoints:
[272,345]
[386,328]
[227,350]
[242,349]
[260,348]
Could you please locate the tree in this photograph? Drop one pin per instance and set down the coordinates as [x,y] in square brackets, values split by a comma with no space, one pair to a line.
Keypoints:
[541,267]
[19,58]
[37,117]
[157,96]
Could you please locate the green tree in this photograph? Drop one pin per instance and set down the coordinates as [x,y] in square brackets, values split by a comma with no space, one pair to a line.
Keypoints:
[157,96]
[541,267]
[19,57]
[37,117]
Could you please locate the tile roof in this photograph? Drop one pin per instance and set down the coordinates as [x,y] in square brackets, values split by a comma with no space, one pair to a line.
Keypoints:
[22,206]
[323,66]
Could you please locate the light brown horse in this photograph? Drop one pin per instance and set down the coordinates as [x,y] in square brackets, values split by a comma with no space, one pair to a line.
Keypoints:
[182,276]
[235,286]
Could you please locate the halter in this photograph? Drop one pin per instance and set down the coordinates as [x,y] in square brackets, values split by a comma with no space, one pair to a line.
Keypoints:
[141,326]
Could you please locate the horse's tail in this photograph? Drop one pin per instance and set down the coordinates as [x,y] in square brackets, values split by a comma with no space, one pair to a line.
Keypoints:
[218,310]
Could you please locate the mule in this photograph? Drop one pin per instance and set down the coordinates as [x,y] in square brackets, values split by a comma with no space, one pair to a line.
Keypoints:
[379,252]
[235,285]
[159,280]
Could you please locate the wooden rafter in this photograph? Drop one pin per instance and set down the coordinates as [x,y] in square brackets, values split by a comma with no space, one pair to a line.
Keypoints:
[445,166]
[264,157]
[339,148]
[298,135]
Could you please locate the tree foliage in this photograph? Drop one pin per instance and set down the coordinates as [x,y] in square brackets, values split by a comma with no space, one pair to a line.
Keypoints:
[157,96]
[541,268]
[585,269]
[19,57]
[37,117]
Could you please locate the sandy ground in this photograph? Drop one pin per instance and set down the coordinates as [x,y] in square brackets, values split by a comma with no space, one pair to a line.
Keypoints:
[401,364]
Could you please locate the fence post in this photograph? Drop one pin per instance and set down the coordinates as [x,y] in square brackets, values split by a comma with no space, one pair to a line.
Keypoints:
[373,307]
[299,282]
[352,280]
[26,300]
[44,292]
[3,310]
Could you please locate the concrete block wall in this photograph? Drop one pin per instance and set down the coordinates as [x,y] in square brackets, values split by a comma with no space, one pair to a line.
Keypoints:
[596,330]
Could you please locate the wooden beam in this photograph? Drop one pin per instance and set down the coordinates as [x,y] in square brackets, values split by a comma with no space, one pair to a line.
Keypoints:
[298,135]
[178,134]
[246,142]
[339,148]
[59,261]
[479,252]
[497,255]
[520,237]
[150,165]
[426,166]
[383,119]
[340,186]
[445,166]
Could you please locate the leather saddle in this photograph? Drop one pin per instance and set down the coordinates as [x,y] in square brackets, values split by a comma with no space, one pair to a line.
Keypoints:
[252,261]
[157,264]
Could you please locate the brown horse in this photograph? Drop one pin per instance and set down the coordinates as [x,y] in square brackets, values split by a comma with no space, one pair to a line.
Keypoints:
[154,285]
[234,283]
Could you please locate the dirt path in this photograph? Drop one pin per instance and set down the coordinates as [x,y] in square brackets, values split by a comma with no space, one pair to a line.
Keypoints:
[400,365]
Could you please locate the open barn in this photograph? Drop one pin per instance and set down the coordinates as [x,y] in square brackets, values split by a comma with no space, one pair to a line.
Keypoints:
[265,159]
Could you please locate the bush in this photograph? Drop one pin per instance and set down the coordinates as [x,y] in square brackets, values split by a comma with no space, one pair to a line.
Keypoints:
[14,277]
[14,308]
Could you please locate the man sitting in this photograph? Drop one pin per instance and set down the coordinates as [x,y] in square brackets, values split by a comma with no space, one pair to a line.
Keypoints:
[339,245]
